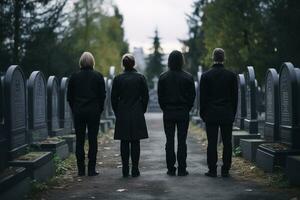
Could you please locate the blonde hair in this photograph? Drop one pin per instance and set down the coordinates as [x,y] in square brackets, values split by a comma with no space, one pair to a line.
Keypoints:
[128,61]
[87,60]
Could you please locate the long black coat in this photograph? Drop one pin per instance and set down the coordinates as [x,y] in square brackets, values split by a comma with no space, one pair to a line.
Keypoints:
[86,92]
[218,95]
[129,98]
[176,94]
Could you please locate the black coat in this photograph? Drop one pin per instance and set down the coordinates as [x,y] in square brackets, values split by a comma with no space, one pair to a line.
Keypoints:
[218,95]
[86,92]
[129,99]
[176,94]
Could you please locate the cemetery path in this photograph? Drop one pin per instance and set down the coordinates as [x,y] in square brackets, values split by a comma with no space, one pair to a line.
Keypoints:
[153,182]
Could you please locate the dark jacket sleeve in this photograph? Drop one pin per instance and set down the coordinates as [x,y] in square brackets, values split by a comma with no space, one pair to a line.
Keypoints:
[203,96]
[191,93]
[235,94]
[144,94]
[115,95]
[70,92]
[102,92]
[161,94]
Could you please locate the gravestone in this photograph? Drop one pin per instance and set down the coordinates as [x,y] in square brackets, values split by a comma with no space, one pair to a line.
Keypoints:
[65,110]
[195,111]
[66,119]
[251,123]
[241,108]
[53,107]
[273,155]
[108,92]
[105,121]
[37,107]
[271,127]
[271,132]
[3,141]
[15,111]
[41,164]
[250,117]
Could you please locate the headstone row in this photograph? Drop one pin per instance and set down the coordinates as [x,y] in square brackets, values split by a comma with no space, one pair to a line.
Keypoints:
[278,144]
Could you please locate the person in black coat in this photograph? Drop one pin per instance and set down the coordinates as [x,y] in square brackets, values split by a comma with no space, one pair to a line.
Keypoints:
[86,95]
[176,94]
[129,98]
[218,105]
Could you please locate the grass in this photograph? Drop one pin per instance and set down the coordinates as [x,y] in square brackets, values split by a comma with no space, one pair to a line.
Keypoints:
[65,171]
[244,170]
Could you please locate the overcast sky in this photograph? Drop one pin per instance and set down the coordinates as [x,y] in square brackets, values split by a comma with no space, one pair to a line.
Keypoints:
[141,17]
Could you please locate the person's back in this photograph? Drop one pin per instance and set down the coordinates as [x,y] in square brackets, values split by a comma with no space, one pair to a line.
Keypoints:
[89,87]
[176,91]
[86,95]
[130,88]
[218,104]
[218,98]
[129,98]
[176,94]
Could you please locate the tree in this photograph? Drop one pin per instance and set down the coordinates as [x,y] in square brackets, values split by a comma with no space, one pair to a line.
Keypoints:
[194,45]
[155,59]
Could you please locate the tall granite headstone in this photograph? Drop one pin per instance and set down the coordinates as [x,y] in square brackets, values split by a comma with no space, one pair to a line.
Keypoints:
[241,108]
[15,111]
[3,140]
[271,131]
[37,107]
[65,110]
[272,155]
[289,130]
[251,123]
[53,107]
[108,96]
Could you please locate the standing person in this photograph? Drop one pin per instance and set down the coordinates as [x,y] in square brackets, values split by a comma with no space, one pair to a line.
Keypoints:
[86,95]
[218,104]
[176,94]
[129,98]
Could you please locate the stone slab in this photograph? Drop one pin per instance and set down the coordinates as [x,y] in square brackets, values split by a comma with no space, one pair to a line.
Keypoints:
[58,147]
[249,148]
[293,169]
[15,186]
[71,142]
[238,135]
[103,126]
[40,169]
[269,159]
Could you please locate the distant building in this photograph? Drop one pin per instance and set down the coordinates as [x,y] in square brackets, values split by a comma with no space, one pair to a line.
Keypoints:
[139,56]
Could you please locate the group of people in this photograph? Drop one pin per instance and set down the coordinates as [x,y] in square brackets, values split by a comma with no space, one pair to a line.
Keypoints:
[129,100]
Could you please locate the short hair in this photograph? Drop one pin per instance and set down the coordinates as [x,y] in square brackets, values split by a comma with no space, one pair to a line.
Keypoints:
[128,61]
[175,60]
[87,60]
[218,55]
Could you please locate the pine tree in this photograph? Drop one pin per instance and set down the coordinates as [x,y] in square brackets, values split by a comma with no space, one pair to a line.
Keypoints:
[194,45]
[155,59]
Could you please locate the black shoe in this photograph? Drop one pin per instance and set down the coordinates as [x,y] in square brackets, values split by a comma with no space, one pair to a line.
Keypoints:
[93,173]
[125,171]
[135,172]
[225,174]
[171,173]
[211,174]
[182,173]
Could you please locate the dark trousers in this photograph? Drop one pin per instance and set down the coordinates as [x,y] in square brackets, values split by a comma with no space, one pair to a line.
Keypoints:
[212,137]
[133,148]
[182,128]
[91,123]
